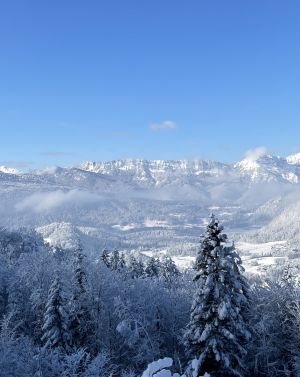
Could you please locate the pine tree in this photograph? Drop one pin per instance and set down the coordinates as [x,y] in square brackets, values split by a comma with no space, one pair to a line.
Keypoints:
[153,267]
[106,258]
[122,263]
[80,279]
[55,327]
[217,330]
[80,323]
[289,304]
[135,267]
[169,269]
[115,260]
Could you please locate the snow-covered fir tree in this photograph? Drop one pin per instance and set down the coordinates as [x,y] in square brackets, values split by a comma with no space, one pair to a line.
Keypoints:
[56,326]
[169,269]
[153,267]
[79,273]
[122,263]
[135,267]
[217,331]
[80,317]
[105,257]
[115,260]
[289,318]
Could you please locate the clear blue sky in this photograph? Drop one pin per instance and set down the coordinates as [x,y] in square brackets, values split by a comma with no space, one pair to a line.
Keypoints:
[165,79]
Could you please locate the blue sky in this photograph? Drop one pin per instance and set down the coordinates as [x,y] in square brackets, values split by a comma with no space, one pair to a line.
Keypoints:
[100,80]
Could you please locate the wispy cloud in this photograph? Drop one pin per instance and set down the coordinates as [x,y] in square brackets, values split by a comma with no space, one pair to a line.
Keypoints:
[48,201]
[256,153]
[165,125]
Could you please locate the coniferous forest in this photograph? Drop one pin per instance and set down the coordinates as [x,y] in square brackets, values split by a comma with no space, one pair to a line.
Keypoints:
[64,313]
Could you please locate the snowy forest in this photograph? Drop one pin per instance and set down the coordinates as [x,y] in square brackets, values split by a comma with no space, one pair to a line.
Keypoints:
[64,313]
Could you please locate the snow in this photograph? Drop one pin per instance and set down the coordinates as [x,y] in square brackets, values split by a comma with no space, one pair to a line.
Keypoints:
[269,169]
[163,373]
[155,172]
[195,366]
[151,223]
[257,257]
[6,170]
[222,311]
[158,366]
[294,159]
[262,248]
[205,333]
[124,228]
[63,235]
[183,262]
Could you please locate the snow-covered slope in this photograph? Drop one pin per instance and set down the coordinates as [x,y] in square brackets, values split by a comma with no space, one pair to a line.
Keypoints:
[265,168]
[6,170]
[158,172]
[269,169]
[283,226]
[294,159]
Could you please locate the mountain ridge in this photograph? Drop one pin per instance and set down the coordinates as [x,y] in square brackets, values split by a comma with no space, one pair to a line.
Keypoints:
[156,173]
[265,168]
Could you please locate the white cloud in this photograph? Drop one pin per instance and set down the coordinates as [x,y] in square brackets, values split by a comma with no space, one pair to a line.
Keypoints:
[165,125]
[48,201]
[256,153]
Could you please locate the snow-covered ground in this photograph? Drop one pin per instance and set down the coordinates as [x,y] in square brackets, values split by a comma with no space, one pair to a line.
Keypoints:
[256,257]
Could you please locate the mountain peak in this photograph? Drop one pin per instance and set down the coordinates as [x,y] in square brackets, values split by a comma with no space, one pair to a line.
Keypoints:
[268,168]
[7,170]
[294,159]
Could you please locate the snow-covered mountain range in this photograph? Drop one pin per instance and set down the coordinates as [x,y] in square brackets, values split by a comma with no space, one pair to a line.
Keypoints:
[158,172]
[156,205]
[266,168]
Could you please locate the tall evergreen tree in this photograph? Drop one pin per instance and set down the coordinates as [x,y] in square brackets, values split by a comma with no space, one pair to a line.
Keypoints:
[115,260]
[169,269]
[135,267]
[122,263]
[105,257]
[218,330]
[153,267]
[80,316]
[289,304]
[80,279]
[55,327]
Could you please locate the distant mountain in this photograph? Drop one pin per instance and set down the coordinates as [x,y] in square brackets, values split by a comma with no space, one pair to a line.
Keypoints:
[294,159]
[6,170]
[248,183]
[159,172]
[270,169]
